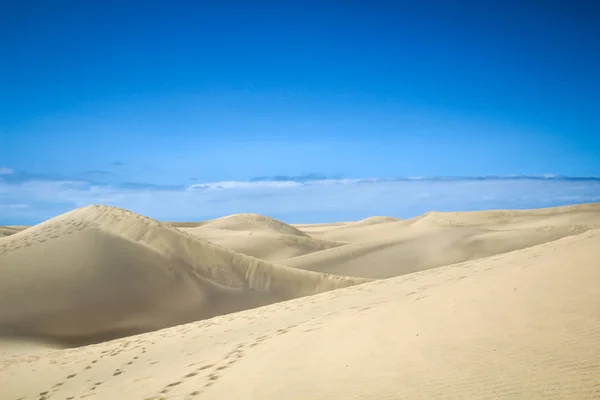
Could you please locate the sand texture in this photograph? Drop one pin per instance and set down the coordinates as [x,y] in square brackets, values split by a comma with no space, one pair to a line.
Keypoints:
[10,230]
[477,305]
[101,271]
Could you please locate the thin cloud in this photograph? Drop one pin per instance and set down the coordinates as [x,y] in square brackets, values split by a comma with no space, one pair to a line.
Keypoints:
[14,206]
[293,201]
[149,186]
[243,185]
[96,176]
[97,172]
[12,176]
[292,178]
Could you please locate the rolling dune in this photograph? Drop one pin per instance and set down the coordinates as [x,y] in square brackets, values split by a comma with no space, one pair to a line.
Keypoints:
[392,247]
[521,325]
[406,249]
[10,230]
[254,223]
[268,246]
[99,272]
[580,214]
[477,305]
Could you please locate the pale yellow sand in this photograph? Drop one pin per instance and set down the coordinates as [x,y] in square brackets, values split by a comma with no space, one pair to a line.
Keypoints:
[269,246]
[521,320]
[392,248]
[253,222]
[523,325]
[100,271]
[10,230]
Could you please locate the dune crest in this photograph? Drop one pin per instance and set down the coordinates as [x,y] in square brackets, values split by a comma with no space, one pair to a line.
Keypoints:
[10,230]
[101,270]
[522,325]
[436,239]
[268,246]
[253,222]
[573,214]
[377,219]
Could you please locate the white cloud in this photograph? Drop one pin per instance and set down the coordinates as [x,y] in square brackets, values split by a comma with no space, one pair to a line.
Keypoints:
[243,185]
[6,171]
[14,206]
[292,201]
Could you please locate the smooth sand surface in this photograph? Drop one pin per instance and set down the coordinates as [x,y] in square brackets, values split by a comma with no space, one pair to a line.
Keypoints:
[100,271]
[268,246]
[385,249]
[481,305]
[253,223]
[10,230]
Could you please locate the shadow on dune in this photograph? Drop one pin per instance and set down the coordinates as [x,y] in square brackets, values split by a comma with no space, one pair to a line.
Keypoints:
[219,303]
[99,273]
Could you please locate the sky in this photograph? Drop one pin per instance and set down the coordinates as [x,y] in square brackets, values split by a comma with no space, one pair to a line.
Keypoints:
[303,110]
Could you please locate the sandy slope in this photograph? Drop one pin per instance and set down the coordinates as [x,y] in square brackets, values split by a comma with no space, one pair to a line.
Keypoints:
[521,325]
[413,248]
[253,222]
[101,271]
[394,247]
[520,320]
[269,246]
[584,215]
[509,219]
[383,247]
[10,230]
[320,229]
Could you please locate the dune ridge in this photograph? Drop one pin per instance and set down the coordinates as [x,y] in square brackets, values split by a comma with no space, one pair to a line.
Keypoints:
[474,305]
[10,230]
[396,247]
[268,246]
[578,213]
[520,325]
[410,249]
[253,222]
[102,270]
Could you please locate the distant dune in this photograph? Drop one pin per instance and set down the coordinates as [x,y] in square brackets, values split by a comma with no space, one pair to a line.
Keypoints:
[583,214]
[398,247]
[477,305]
[184,224]
[253,222]
[411,249]
[374,220]
[267,246]
[10,230]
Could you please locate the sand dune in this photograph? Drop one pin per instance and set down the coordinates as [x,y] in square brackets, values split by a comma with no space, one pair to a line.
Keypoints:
[267,246]
[319,230]
[184,224]
[374,220]
[491,304]
[587,215]
[315,230]
[581,214]
[10,230]
[396,247]
[521,325]
[412,248]
[353,232]
[253,222]
[101,271]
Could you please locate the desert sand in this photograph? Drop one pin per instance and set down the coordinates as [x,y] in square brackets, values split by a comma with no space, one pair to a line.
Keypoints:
[102,303]
[10,230]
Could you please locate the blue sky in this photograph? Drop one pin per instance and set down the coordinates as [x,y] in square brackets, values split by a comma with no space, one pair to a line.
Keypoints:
[129,103]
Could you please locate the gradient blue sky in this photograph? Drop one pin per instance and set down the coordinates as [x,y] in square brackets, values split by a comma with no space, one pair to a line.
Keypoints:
[160,95]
